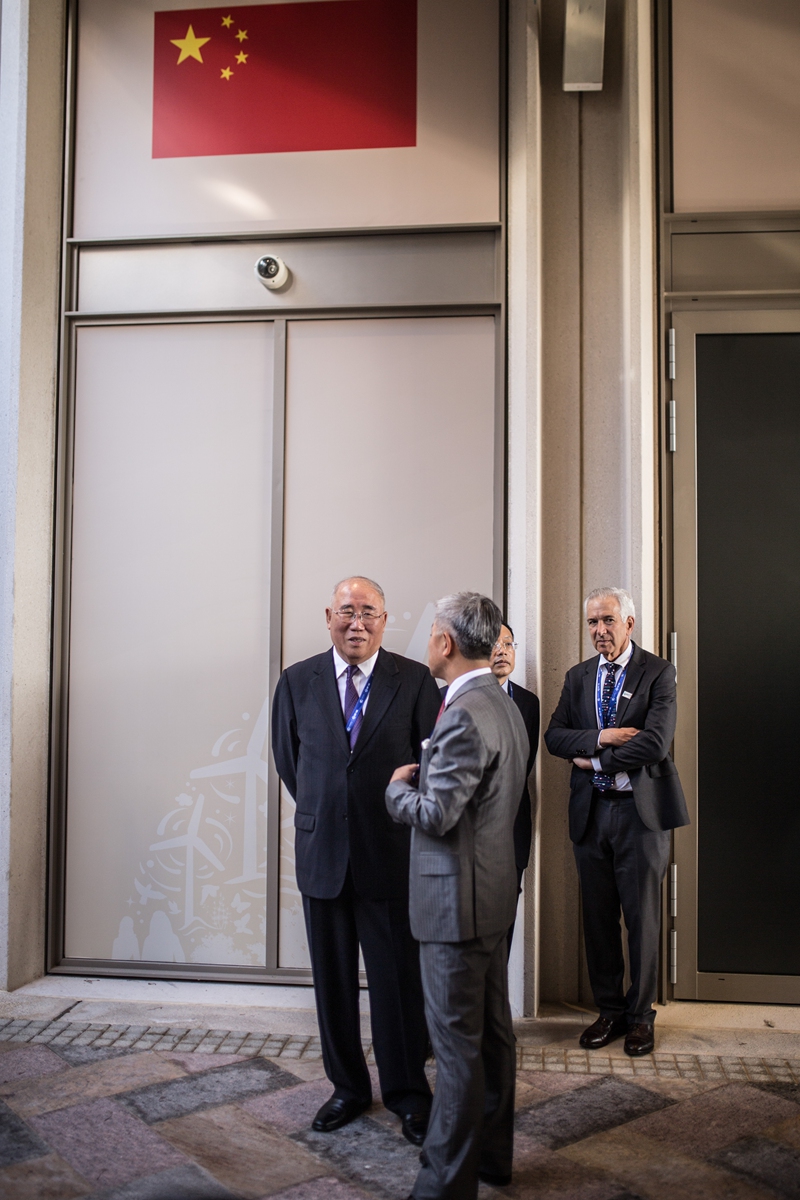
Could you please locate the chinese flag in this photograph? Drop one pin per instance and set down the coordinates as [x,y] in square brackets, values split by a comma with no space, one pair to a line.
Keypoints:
[325,75]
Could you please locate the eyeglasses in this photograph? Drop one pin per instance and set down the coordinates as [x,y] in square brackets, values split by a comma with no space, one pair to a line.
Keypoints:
[348,615]
[506,645]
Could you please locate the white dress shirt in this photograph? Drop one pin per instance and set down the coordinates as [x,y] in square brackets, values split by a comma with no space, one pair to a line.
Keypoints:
[622,781]
[360,676]
[462,679]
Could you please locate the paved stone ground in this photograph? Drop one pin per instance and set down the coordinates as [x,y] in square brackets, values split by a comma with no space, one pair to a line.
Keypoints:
[165,1113]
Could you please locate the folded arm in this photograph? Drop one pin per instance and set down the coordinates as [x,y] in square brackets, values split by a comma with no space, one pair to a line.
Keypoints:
[561,739]
[652,743]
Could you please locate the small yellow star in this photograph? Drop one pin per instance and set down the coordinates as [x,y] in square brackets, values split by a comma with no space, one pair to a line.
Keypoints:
[242,35]
[241,57]
[226,73]
[189,46]
[227,22]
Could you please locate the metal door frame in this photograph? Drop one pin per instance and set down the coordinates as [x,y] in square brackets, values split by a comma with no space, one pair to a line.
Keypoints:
[689,983]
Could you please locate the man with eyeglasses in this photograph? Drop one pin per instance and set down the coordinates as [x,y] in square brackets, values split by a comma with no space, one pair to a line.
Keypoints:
[342,721]
[503,662]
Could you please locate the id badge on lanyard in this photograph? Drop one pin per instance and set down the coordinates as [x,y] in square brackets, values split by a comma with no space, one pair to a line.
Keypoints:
[362,700]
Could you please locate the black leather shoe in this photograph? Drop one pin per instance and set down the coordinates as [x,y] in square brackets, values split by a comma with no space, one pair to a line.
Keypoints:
[604,1030]
[639,1040]
[337,1112]
[494,1180]
[414,1126]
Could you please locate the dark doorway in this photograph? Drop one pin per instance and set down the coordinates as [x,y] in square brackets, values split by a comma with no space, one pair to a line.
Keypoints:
[748,652]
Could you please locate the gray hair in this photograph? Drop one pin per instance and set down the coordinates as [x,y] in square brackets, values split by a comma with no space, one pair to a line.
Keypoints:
[623,598]
[472,620]
[376,587]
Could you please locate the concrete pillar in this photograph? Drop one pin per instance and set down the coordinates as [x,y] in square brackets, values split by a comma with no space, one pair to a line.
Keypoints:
[598,459]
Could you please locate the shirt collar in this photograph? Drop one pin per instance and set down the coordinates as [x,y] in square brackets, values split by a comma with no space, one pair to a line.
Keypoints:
[462,679]
[366,668]
[622,661]
[504,684]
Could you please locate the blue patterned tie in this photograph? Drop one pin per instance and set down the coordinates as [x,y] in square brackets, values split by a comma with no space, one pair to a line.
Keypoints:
[350,701]
[608,716]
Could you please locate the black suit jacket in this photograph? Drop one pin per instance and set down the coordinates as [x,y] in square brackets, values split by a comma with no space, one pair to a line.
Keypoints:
[572,733]
[341,815]
[528,705]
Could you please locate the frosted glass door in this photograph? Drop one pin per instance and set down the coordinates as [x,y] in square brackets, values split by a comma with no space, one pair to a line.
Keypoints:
[168,644]
[391,452]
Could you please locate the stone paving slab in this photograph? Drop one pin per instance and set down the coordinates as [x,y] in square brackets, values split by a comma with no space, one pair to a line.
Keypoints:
[603,1104]
[221,1085]
[104,1143]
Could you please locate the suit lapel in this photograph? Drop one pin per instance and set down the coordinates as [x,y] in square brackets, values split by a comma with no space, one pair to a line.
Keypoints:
[326,693]
[385,682]
[632,676]
[589,693]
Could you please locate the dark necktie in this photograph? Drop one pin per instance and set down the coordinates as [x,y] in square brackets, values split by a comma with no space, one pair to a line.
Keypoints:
[608,717]
[350,702]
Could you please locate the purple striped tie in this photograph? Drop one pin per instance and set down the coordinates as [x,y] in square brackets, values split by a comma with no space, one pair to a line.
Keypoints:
[350,702]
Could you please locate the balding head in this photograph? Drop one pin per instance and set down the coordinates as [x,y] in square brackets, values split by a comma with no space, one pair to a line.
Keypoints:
[356,618]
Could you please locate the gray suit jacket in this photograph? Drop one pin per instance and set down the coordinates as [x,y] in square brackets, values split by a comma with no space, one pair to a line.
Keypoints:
[463,879]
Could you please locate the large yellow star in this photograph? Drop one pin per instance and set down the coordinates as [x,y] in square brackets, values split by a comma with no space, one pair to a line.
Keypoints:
[189,46]
[241,57]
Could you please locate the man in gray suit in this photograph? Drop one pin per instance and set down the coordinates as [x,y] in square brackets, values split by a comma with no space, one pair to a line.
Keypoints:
[463,895]
[615,721]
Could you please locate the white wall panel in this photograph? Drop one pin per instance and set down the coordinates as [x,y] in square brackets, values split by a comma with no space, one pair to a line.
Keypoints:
[168,670]
[451,176]
[390,472]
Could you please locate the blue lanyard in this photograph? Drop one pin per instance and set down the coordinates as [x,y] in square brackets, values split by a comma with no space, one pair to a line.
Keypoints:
[362,700]
[612,707]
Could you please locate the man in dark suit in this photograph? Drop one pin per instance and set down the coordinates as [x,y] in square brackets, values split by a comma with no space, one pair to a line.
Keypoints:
[615,721]
[341,722]
[463,897]
[504,660]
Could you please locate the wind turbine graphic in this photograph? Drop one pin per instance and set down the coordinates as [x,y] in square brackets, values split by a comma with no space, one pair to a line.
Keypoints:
[253,767]
[191,841]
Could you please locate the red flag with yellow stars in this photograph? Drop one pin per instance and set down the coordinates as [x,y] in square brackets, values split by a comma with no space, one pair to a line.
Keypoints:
[324,75]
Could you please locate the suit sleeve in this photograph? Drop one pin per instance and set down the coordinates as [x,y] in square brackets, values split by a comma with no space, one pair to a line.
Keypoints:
[426,710]
[652,743]
[285,742]
[456,767]
[562,739]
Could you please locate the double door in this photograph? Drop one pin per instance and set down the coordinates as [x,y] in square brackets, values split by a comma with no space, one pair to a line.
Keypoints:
[735,903]
[220,476]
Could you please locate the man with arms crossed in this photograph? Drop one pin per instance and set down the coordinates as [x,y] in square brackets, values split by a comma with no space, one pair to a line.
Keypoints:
[504,660]
[341,722]
[463,898]
[616,721]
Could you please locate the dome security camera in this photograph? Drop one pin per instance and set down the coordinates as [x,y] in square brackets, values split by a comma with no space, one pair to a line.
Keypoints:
[272,272]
